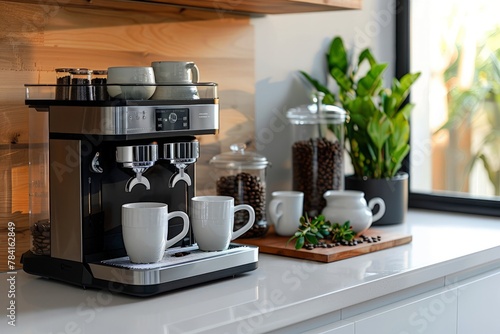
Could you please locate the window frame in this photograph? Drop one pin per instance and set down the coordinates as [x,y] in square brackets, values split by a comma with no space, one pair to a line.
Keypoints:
[431,201]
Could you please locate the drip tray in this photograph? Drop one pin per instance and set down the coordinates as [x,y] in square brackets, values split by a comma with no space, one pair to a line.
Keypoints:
[178,264]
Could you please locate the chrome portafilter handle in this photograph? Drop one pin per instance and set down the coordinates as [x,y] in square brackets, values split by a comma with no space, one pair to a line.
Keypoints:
[181,155]
[138,158]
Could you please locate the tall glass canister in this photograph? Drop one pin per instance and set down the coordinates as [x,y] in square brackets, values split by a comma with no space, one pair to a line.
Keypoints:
[317,152]
[39,216]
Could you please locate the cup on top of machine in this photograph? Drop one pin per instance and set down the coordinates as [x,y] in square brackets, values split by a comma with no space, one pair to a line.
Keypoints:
[176,80]
[145,230]
[131,82]
[212,219]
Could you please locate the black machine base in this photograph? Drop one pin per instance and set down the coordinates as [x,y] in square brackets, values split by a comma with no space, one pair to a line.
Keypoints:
[79,274]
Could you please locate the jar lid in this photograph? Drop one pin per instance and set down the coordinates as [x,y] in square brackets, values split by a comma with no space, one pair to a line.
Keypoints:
[80,71]
[308,114]
[64,70]
[238,157]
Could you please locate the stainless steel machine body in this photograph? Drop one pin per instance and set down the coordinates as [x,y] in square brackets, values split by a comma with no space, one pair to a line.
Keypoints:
[105,154]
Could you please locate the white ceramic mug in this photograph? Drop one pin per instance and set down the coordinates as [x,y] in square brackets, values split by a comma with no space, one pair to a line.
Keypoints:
[285,210]
[175,79]
[145,230]
[212,220]
[131,82]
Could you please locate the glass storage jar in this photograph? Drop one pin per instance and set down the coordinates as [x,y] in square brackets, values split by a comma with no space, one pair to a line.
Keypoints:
[99,80]
[317,152]
[242,174]
[80,89]
[63,80]
[39,210]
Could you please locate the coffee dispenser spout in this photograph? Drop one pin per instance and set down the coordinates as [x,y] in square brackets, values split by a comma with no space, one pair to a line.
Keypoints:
[138,179]
[181,155]
[139,158]
[180,176]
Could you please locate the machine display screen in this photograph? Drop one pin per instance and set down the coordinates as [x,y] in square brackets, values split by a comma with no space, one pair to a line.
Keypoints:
[172,119]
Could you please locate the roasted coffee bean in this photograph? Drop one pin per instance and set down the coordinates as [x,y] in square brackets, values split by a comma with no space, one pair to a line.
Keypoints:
[181,254]
[246,188]
[317,167]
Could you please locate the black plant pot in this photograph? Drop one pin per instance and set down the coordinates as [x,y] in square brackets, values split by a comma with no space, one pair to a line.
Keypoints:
[394,192]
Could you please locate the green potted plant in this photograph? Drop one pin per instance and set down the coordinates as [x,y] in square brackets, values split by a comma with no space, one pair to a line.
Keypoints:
[377,131]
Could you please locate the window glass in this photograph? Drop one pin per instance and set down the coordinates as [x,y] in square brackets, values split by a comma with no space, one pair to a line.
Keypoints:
[455,142]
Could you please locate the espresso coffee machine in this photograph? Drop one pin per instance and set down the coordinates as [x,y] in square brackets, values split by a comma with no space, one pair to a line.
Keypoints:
[105,153]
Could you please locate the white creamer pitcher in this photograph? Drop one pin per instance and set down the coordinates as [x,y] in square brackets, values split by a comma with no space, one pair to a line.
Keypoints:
[350,205]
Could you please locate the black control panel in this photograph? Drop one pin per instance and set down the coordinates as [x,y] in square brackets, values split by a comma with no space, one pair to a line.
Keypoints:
[172,119]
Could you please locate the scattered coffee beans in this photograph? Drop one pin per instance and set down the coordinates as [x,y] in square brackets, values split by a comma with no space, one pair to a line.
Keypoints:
[40,232]
[354,242]
[246,189]
[317,167]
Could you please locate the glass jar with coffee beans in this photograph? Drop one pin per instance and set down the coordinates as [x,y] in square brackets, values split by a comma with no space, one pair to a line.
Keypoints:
[241,174]
[63,81]
[80,89]
[98,81]
[317,151]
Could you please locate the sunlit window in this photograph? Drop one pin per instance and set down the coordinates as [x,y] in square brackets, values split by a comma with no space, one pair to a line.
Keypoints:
[456,121]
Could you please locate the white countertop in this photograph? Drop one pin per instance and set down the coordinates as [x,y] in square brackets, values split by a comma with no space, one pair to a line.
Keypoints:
[281,292]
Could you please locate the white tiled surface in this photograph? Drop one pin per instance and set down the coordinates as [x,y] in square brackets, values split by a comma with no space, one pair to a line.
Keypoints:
[281,292]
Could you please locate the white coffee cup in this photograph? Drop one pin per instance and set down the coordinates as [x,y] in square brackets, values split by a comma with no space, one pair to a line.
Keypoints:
[176,71]
[145,230]
[285,210]
[175,80]
[131,82]
[212,220]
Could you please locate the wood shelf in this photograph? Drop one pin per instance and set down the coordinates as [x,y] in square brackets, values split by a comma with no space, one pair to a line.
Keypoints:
[222,8]
[262,7]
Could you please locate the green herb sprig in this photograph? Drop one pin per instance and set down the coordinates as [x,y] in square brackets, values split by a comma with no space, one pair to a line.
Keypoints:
[311,230]
[342,232]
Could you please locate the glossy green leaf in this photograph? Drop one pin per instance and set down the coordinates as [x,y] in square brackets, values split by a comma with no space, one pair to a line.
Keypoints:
[379,129]
[372,81]
[366,54]
[316,83]
[299,243]
[397,159]
[311,238]
[401,132]
[337,55]
[344,82]
[401,88]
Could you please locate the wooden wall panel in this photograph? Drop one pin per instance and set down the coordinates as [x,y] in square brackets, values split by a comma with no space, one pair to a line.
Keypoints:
[35,39]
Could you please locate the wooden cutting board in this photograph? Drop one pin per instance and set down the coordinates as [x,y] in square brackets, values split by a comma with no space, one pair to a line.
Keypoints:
[272,243]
